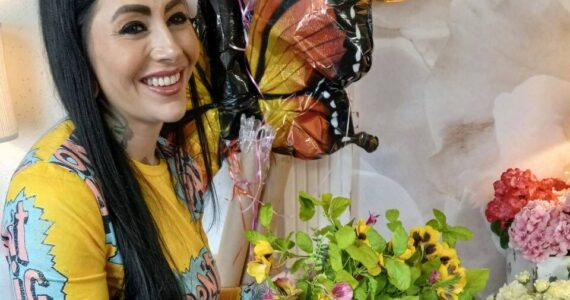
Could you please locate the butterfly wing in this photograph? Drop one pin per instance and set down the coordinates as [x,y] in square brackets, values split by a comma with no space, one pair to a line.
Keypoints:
[302,54]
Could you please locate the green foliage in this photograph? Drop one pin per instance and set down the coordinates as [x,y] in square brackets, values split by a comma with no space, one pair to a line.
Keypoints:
[450,234]
[337,207]
[345,237]
[377,242]
[307,206]
[266,215]
[304,242]
[399,274]
[503,234]
[355,253]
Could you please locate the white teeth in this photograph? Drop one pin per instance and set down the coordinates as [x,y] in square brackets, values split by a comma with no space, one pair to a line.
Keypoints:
[163,81]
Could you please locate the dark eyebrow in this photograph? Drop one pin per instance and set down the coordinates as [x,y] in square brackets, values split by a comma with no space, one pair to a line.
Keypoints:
[137,8]
[171,5]
[142,9]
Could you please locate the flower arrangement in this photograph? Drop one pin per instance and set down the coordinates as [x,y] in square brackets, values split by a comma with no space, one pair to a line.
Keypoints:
[530,215]
[524,288]
[354,261]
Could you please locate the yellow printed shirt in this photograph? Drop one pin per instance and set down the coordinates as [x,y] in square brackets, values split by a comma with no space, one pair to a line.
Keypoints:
[60,243]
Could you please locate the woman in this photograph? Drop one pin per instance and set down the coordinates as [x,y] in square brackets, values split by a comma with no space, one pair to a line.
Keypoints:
[99,209]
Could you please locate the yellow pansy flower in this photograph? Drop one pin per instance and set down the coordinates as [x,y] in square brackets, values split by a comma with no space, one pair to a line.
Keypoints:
[362,231]
[259,269]
[263,249]
[447,254]
[424,235]
[453,268]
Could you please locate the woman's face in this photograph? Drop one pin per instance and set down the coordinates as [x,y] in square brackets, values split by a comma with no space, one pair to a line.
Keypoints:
[143,52]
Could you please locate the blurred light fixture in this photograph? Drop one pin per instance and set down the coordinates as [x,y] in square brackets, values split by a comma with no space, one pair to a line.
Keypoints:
[8,126]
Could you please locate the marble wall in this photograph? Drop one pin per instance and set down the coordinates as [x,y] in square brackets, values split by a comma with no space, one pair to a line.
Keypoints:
[459,91]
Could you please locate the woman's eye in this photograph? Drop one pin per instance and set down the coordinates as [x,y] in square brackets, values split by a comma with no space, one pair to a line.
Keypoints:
[178,18]
[133,28]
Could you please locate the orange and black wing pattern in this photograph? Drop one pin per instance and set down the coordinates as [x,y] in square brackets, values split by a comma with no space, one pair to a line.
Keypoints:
[289,64]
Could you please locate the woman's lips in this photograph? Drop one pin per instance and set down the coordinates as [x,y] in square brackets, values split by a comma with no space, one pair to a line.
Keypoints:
[168,90]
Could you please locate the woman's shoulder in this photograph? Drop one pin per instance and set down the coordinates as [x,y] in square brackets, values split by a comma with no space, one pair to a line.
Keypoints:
[55,168]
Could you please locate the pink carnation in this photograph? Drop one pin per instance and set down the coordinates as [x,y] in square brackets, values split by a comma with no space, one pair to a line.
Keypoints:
[533,228]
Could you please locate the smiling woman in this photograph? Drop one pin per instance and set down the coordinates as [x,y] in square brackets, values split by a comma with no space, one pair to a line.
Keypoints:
[109,203]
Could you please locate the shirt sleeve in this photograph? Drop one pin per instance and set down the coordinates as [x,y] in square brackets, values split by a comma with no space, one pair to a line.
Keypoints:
[53,234]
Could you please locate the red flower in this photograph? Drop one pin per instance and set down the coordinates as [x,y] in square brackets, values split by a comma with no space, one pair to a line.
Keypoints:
[515,189]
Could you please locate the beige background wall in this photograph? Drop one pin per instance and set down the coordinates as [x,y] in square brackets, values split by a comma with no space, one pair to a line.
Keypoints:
[459,91]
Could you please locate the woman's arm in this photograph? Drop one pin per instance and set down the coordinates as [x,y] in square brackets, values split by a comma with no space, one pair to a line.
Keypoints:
[53,232]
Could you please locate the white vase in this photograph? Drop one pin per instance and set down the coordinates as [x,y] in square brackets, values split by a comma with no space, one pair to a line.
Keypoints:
[551,267]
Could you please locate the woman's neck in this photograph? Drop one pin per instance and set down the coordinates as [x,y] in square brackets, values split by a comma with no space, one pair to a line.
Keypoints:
[137,138]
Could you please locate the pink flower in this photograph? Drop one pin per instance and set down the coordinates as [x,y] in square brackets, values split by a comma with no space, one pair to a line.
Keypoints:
[562,234]
[342,291]
[433,277]
[372,219]
[533,228]
[268,295]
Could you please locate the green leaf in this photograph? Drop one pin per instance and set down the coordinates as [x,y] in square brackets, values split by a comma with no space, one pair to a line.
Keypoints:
[335,257]
[326,201]
[265,215]
[360,293]
[338,206]
[429,294]
[297,265]
[344,276]
[377,242]
[460,232]
[372,287]
[253,236]
[440,217]
[282,244]
[476,280]
[449,239]
[496,228]
[345,237]
[434,224]
[447,282]
[307,210]
[504,238]
[399,274]
[430,265]
[382,281]
[325,230]
[363,254]
[392,215]
[304,242]
[393,225]
[399,241]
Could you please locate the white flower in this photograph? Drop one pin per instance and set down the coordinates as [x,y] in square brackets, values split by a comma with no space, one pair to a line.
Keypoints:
[558,290]
[513,291]
[523,277]
[541,285]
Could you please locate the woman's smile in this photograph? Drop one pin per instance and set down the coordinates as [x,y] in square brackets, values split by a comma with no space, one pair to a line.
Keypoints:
[165,83]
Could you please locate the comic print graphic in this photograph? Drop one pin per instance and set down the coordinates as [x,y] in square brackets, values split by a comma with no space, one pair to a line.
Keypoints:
[202,281]
[22,225]
[73,157]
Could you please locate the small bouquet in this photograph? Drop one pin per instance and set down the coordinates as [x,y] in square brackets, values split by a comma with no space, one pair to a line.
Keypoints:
[353,261]
[525,288]
[530,214]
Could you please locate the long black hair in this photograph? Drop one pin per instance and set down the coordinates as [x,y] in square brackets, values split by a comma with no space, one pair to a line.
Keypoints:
[147,272]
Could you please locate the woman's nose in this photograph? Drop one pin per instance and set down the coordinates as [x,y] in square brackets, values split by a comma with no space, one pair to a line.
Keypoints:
[164,46]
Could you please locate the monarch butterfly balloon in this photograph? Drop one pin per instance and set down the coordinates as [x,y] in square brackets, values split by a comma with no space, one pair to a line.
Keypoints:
[287,62]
